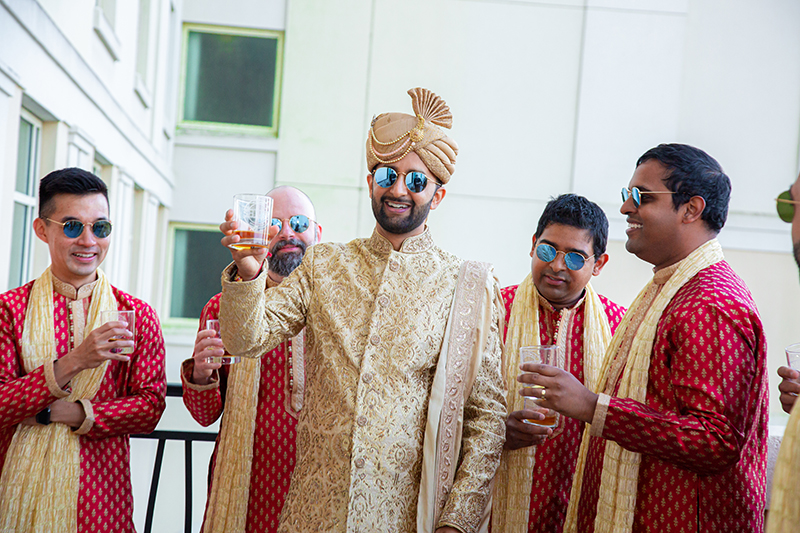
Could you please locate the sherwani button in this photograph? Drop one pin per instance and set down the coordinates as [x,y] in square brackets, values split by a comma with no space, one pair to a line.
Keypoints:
[360,462]
[375,340]
[383,300]
[362,421]
[394,266]
[367,377]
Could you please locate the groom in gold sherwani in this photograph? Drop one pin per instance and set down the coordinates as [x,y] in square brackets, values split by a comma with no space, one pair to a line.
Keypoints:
[403,421]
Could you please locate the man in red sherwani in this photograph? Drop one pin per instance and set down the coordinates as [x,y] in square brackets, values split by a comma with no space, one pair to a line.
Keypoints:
[569,247]
[280,381]
[73,388]
[678,438]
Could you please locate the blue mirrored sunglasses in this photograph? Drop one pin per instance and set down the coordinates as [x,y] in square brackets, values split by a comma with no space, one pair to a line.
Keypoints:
[573,260]
[298,223]
[636,194]
[73,228]
[415,181]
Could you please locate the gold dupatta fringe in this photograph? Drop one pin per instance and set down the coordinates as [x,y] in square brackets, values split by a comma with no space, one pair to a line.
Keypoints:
[515,475]
[41,477]
[620,477]
[230,487]
[784,509]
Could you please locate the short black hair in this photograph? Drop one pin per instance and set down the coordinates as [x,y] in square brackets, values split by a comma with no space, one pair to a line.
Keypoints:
[71,180]
[692,172]
[578,212]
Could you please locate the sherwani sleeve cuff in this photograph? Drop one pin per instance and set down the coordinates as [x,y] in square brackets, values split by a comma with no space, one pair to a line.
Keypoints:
[88,422]
[600,413]
[52,384]
[187,368]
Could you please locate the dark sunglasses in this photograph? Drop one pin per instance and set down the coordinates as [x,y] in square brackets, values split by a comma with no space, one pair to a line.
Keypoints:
[415,181]
[573,260]
[298,223]
[74,228]
[785,206]
[636,194]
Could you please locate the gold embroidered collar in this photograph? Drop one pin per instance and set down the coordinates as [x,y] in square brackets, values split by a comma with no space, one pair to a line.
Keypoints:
[412,245]
[65,289]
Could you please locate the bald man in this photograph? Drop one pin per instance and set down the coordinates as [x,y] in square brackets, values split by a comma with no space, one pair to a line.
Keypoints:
[264,395]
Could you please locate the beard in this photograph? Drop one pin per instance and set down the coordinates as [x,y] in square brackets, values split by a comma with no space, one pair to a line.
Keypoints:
[415,217]
[284,264]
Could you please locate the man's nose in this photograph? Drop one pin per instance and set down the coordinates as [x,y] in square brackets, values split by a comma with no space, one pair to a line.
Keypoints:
[559,263]
[87,237]
[399,188]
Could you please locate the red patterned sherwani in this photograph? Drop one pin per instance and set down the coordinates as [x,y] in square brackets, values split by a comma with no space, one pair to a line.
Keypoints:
[702,432]
[556,457]
[130,398]
[274,440]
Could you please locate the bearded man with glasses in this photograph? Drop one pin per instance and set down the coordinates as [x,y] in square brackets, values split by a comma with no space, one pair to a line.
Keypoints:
[554,305]
[678,435]
[70,397]
[403,419]
[259,399]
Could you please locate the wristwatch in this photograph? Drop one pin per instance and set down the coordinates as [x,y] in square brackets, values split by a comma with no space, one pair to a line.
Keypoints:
[43,416]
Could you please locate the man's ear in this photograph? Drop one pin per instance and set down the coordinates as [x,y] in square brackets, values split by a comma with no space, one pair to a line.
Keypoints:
[39,229]
[599,263]
[693,209]
[533,244]
[369,185]
[438,196]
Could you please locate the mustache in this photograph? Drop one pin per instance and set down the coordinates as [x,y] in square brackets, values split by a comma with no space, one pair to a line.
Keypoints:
[288,242]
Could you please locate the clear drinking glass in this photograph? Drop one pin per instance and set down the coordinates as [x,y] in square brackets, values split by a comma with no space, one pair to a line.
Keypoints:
[253,212]
[129,318]
[547,354]
[226,358]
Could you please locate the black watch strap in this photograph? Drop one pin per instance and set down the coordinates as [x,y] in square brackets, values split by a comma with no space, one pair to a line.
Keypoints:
[43,416]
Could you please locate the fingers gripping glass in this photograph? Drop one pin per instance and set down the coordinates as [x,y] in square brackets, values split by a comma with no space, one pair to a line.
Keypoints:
[785,205]
[386,176]
[573,260]
[73,228]
[298,223]
[636,194]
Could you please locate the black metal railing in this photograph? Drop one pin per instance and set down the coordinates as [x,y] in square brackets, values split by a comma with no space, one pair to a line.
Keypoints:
[188,437]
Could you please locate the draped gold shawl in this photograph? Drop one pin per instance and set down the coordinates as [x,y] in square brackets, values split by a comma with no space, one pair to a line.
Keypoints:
[620,477]
[515,474]
[784,509]
[41,477]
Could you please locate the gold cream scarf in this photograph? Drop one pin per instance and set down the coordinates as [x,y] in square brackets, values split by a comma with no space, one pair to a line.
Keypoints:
[41,477]
[230,486]
[784,508]
[620,477]
[515,475]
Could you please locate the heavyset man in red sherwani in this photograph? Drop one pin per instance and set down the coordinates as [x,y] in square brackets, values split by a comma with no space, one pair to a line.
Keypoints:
[555,305]
[69,396]
[276,387]
[678,437]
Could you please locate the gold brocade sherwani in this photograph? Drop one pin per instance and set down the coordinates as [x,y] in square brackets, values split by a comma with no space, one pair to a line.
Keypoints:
[375,322]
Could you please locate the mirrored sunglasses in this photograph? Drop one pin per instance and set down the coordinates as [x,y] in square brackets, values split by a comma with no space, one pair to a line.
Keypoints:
[785,206]
[415,181]
[74,228]
[298,223]
[573,260]
[636,194]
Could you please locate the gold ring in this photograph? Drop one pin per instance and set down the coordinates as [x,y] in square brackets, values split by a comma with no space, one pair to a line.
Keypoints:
[544,393]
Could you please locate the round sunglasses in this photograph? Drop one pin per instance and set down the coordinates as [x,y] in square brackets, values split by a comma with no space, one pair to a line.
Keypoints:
[415,181]
[298,223]
[573,260]
[785,206]
[74,228]
[636,194]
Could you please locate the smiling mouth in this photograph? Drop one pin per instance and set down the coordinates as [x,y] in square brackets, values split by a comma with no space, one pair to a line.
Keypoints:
[396,205]
[84,255]
[633,225]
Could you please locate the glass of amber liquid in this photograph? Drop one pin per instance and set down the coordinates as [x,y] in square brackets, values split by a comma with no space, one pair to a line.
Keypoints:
[547,354]
[129,318]
[253,212]
[226,358]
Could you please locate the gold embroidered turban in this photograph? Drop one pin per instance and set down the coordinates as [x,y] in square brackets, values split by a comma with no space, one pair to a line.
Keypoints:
[393,135]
